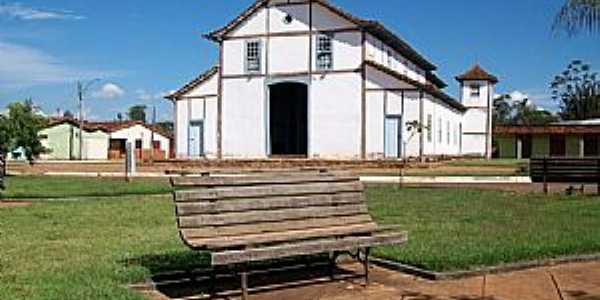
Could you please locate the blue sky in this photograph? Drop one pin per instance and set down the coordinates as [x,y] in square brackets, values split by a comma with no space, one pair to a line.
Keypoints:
[142,49]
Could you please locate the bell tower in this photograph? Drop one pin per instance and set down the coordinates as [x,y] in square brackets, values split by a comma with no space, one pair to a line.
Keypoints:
[476,93]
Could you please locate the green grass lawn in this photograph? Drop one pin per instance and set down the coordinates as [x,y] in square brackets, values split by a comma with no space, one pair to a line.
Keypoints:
[40,187]
[460,229]
[91,249]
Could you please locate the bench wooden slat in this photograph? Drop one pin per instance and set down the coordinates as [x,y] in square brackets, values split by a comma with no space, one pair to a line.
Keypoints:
[194,208]
[271,215]
[290,235]
[210,182]
[306,248]
[267,227]
[267,191]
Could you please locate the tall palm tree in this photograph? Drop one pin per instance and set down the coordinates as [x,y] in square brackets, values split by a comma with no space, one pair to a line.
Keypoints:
[579,15]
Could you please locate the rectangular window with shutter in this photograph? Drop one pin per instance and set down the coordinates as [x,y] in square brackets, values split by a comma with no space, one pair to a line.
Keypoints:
[429,128]
[253,56]
[324,52]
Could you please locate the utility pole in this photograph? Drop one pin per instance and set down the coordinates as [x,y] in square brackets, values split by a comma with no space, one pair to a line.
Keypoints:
[81,90]
[80,97]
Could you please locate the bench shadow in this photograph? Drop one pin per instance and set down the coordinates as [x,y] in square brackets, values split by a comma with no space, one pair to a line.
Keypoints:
[581,295]
[187,274]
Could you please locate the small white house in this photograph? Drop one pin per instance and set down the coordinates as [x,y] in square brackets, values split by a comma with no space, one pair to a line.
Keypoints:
[145,139]
[300,78]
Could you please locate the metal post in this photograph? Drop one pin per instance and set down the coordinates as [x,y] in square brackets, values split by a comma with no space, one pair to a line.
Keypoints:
[244,277]
[129,161]
[213,284]
[366,265]
[332,263]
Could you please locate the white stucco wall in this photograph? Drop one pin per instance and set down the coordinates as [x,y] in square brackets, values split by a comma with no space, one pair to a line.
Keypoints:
[335,116]
[477,119]
[288,54]
[95,145]
[244,122]
[194,110]
[390,102]
[379,52]
[137,132]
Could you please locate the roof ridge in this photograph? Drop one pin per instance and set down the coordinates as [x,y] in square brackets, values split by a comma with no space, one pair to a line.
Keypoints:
[374,27]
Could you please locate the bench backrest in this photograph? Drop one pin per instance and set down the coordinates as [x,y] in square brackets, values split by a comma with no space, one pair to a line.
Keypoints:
[565,170]
[211,210]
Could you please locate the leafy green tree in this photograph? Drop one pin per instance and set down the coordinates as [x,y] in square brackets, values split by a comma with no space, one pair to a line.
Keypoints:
[509,112]
[503,110]
[577,89]
[21,129]
[5,135]
[525,113]
[578,15]
[137,113]
[166,126]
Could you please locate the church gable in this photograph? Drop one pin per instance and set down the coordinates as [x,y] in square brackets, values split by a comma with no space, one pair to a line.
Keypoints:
[278,16]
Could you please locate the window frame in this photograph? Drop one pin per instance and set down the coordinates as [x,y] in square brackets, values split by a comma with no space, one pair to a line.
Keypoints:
[475,90]
[429,128]
[448,133]
[247,57]
[440,131]
[319,51]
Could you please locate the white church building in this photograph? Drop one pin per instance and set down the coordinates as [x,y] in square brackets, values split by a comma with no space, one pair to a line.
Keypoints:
[306,79]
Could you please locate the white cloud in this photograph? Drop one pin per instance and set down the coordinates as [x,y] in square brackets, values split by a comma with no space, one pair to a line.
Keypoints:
[109,91]
[21,12]
[144,95]
[24,66]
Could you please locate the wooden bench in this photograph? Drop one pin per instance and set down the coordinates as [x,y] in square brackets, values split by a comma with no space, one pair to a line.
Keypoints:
[259,218]
[565,170]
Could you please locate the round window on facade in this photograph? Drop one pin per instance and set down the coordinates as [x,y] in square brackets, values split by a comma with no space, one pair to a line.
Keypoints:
[288,19]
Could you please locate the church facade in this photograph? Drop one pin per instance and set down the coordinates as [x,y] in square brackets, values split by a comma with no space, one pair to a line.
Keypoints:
[307,79]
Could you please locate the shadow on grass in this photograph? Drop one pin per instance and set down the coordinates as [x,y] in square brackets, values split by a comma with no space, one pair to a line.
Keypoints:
[581,295]
[186,274]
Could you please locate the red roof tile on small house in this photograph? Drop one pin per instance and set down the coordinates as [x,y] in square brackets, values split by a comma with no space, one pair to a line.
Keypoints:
[477,73]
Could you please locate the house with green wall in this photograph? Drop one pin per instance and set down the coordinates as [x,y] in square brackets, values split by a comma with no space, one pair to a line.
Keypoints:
[61,138]
[563,139]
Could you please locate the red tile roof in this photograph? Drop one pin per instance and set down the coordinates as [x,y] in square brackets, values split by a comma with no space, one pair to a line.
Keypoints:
[546,129]
[477,73]
[108,126]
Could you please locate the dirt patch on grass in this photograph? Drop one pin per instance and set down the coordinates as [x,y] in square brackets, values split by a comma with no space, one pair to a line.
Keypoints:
[7,204]
[575,281]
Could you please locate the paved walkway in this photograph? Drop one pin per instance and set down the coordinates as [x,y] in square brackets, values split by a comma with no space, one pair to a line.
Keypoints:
[576,282]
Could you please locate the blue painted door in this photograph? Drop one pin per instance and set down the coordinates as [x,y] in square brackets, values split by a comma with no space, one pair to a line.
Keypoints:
[196,139]
[393,138]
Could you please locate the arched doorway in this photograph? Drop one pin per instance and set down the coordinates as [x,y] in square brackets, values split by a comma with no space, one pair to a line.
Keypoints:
[288,115]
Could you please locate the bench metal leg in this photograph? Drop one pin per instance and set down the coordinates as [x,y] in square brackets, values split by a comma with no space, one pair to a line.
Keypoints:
[332,264]
[244,277]
[366,265]
[213,284]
